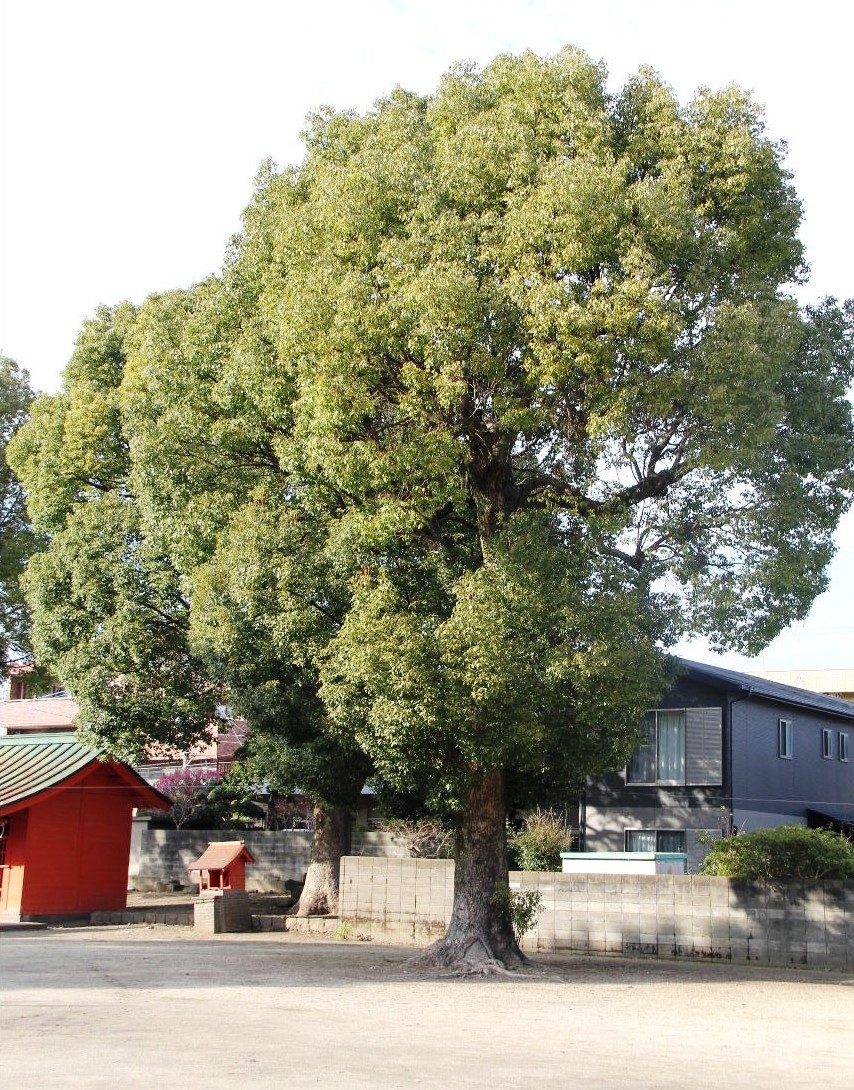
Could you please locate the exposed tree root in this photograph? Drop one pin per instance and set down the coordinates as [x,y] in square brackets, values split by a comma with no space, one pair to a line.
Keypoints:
[479,960]
[474,958]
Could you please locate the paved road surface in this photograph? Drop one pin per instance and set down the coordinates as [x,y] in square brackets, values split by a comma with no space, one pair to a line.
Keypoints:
[122,1008]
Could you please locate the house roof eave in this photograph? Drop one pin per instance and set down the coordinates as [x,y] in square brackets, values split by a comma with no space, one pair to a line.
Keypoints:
[762,688]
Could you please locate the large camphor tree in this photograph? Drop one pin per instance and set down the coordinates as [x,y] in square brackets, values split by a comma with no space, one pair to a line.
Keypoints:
[534,344]
[501,391]
[112,609]
[222,499]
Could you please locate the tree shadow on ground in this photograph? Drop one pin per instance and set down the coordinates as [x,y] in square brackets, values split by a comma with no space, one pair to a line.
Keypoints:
[118,958]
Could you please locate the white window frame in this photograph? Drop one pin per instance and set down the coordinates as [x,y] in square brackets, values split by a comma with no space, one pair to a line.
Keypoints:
[785,739]
[844,749]
[827,743]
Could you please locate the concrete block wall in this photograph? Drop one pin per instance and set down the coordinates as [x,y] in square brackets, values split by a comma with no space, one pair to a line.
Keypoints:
[160,857]
[379,844]
[804,924]
[165,854]
[402,899]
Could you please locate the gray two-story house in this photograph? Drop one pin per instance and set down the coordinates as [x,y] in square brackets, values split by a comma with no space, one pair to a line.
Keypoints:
[724,750]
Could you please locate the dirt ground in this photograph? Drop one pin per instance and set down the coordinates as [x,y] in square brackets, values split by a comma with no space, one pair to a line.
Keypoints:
[152,1006]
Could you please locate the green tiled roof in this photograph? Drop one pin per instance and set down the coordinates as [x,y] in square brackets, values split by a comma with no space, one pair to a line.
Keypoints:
[30,764]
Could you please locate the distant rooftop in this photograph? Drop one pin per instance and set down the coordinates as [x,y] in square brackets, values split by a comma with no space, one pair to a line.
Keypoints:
[45,713]
[830,682]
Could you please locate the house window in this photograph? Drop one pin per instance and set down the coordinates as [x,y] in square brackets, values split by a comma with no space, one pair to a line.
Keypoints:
[678,746]
[655,840]
[784,739]
[827,743]
[844,752]
[660,758]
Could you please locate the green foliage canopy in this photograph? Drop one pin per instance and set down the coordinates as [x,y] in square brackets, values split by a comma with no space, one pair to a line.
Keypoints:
[109,615]
[17,540]
[16,537]
[525,359]
[499,393]
[240,526]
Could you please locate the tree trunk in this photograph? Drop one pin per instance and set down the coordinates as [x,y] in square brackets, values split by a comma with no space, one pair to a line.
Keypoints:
[479,937]
[333,828]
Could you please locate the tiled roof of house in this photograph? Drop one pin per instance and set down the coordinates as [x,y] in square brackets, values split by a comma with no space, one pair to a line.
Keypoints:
[41,714]
[57,713]
[31,764]
[761,687]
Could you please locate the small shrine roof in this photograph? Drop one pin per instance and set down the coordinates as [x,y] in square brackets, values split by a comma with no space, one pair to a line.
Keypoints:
[221,854]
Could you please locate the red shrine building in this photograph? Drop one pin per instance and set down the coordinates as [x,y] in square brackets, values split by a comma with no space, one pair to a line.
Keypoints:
[222,866]
[65,827]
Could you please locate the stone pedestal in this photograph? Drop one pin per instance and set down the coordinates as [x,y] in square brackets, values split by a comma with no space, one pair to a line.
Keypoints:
[216,912]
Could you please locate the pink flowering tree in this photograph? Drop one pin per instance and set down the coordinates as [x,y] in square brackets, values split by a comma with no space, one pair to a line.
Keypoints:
[188,789]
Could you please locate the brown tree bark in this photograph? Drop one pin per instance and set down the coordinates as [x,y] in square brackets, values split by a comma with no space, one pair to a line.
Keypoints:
[333,827]
[479,937]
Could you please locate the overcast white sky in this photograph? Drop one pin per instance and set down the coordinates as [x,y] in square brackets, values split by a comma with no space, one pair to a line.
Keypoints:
[131,134]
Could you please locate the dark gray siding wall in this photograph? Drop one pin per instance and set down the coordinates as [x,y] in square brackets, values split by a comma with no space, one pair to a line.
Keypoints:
[769,790]
[613,806]
[762,789]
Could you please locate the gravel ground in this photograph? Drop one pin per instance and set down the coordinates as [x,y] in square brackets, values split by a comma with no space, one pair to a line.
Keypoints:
[131,1007]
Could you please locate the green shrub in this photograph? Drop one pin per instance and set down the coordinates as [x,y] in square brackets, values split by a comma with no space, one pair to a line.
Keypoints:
[788,853]
[520,908]
[538,844]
